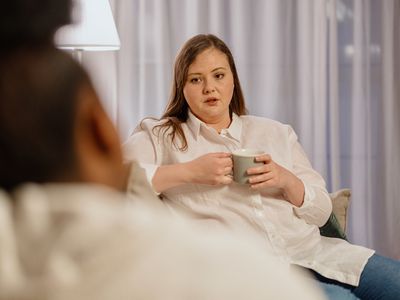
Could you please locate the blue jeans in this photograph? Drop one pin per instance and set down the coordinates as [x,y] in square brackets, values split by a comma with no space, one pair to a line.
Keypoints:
[336,292]
[380,279]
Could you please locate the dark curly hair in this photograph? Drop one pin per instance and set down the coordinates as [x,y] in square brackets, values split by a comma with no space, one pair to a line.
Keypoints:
[39,94]
[38,91]
[27,22]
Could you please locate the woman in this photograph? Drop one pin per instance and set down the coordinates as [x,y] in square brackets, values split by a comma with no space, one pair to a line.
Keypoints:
[187,159]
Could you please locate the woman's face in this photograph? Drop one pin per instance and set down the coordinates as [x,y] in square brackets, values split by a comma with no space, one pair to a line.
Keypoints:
[209,87]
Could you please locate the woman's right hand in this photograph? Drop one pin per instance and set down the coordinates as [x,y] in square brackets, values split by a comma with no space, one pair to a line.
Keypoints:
[211,169]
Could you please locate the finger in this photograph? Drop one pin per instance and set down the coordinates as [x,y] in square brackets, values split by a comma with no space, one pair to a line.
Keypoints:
[227,162]
[270,182]
[227,179]
[259,186]
[266,158]
[259,170]
[227,170]
[261,178]
[222,154]
[256,180]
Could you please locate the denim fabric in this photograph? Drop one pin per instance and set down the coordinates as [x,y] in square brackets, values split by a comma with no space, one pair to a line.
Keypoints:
[380,279]
[336,292]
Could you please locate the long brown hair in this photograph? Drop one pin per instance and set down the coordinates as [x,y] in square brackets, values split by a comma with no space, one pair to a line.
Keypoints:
[176,111]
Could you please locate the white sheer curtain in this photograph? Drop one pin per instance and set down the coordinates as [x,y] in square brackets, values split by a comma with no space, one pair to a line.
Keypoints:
[330,68]
[369,44]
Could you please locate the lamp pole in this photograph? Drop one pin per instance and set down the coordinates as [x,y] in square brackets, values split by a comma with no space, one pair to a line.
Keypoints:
[77,54]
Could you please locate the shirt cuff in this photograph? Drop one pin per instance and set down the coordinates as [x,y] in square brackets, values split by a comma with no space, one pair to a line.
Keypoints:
[150,170]
[316,209]
[309,196]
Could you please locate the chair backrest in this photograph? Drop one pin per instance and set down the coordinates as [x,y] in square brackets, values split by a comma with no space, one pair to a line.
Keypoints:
[340,201]
[336,224]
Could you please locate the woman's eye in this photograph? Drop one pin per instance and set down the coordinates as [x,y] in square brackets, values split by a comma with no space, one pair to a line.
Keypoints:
[219,75]
[195,80]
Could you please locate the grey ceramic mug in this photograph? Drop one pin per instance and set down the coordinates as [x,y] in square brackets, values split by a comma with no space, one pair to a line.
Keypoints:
[243,159]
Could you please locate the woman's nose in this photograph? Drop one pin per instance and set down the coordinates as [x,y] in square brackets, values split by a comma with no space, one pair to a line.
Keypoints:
[208,87]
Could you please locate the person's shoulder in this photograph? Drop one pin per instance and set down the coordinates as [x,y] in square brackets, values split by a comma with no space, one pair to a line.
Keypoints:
[260,125]
[148,127]
[148,124]
[106,241]
[153,126]
[92,211]
[252,120]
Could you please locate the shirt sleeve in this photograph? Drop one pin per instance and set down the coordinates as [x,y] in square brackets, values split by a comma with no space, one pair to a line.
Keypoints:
[141,147]
[138,186]
[317,205]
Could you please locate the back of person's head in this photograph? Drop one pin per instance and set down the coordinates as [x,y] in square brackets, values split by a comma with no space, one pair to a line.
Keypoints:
[32,75]
[39,89]
[27,22]
[52,125]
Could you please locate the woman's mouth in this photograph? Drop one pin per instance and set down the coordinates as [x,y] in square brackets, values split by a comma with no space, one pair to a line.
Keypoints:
[211,100]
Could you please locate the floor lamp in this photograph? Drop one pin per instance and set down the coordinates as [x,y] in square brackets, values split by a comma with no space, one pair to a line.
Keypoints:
[93,29]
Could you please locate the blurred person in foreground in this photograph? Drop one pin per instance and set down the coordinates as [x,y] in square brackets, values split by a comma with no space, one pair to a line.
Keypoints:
[67,229]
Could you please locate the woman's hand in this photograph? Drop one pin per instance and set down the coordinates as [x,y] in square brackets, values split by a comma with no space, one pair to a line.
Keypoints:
[211,169]
[272,175]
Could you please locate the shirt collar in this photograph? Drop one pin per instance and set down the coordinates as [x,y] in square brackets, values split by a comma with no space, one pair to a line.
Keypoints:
[194,124]
[234,129]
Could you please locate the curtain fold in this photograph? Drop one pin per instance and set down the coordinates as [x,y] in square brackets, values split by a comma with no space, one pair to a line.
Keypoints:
[391,126]
[362,160]
[333,105]
[330,68]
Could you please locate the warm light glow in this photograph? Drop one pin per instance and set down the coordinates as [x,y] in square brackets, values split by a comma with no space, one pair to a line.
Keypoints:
[93,28]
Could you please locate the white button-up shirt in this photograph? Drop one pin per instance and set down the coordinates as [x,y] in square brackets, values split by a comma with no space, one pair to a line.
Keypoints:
[289,232]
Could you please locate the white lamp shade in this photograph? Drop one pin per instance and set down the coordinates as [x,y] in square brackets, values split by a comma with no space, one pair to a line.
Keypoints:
[93,28]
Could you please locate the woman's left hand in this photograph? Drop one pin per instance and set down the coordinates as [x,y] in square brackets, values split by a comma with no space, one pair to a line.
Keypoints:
[272,175]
